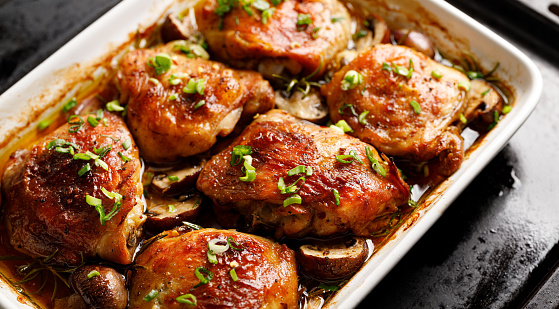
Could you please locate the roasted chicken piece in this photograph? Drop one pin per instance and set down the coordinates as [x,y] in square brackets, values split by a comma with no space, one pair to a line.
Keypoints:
[310,180]
[177,106]
[403,103]
[247,272]
[300,36]
[75,194]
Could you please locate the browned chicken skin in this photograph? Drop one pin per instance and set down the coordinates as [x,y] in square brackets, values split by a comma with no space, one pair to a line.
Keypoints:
[244,40]
[45,204]
[279,143]
[168,129]
[266,272]
[392,124]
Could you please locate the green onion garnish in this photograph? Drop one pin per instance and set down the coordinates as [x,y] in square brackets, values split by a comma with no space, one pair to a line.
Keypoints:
[44,124]
[463,119]
[212,258]
[294,199]
[293,188]
[173,97]
[336,19]
[314,34]
[233,274]
[309,171]
[93,273]
[69,105]
[249,169]
[188,299]
[173,178]
[84,170]
[326,287]
[234,245]
[351,80]
[341,109]
[97,203]
[474,75]
[123,157]
[151,295]
[375,164]
[342,124]
[415,106]
[303,21]
[238,152]
[436,74]
[486,92]
[363,117]
[76,123]
[345,159]
[127,143]
[203,280]
[172,208]
[92,121]
[199,104]
[267,13]
[464,85]
[161,63]
[506,109]
[336,196]
[386,67]
[114,106]
[296,170]
[194,86]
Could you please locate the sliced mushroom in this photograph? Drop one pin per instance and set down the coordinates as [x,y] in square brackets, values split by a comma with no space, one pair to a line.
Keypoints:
[380,34]
[483,100]
[175,28]
[333,260]
[414,39]
[100,286]
[165,212]
[308,107]
[179,179]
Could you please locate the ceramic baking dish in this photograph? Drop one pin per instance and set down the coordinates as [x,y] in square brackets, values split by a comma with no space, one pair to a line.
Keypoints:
[71,68]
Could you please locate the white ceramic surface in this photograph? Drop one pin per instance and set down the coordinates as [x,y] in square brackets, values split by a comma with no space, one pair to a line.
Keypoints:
[38,94]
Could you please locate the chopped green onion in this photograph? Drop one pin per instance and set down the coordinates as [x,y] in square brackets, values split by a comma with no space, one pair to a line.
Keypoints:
[345,159]
[296,170]
[188,299]
[464,85]
[294,199]
[314,34]
[474,75]
[151,295]
[303,21]
[261,5]
[351,80]
[194,86]
[123,157]
[99,114]
[342,124]
[114,106]
[415,106]
[84,170]
[173,97]
[76,125]
[234,245]
[199,104]
[276,2]
[69,105]
[92,121]
[173,178]
[486,92]
[249,169]
[495,120]
[203,280]
[355,155]
[238,152]
[69,150]
[44,124]
[436,74]
[212,258]
[161,63]
[336,19]
[463,119]
[93,273]
[236,20]
[233,274]
[506,109]
[341,109]
[224,7]
[93,201]
[386,67]
[127,143]
[102,164]
[172,208]
[363,117]
[293,188]
[215,247]
[375,164]
[267,13]
[412,203]
[97,203]
[336,196]
[309,171]
[154,81]
[360,34]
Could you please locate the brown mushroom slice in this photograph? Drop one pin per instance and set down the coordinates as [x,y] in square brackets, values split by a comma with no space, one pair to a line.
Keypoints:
[308,107]
[482,101]
[165,213]
[333,260]
[416,40]
[179,179]
[380,34]
[175,28]
[100,287]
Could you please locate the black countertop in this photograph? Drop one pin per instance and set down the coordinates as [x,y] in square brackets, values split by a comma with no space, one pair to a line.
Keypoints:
[497,244]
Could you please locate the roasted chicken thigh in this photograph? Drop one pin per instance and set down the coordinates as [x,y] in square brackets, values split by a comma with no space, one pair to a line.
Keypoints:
[300,36]
[247,272]
[76,195]
[309,180]
[403,103]
[177,106]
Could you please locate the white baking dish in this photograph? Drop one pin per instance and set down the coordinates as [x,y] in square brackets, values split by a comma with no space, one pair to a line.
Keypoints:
[42,91]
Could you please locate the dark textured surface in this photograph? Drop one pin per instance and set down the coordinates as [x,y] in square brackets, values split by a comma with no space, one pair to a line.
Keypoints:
[495,247]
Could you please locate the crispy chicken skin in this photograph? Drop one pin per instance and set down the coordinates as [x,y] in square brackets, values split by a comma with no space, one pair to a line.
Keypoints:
[280,142]
[266,271]
[45,204]
[166,129]
[392,125]
[244,40]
